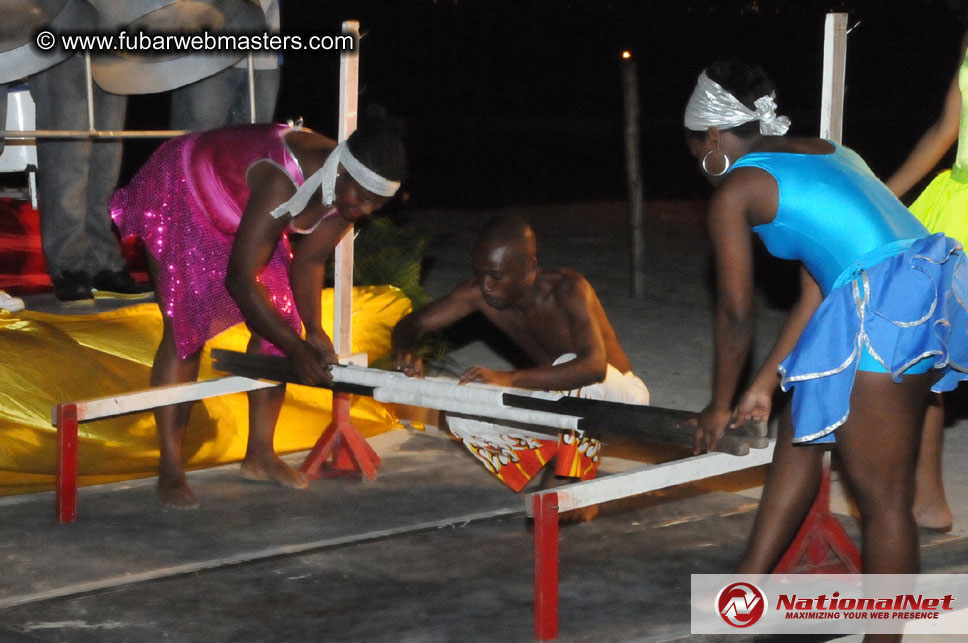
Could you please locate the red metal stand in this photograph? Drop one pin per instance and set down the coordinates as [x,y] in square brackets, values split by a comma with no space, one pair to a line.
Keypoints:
[65,418]
[546,567]
[351,456]
[821,546]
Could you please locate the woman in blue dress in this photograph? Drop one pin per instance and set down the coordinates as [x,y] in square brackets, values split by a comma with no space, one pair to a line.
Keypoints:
[878,323]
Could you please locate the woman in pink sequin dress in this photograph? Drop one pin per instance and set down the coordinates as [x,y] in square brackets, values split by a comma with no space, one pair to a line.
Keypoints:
[215,211]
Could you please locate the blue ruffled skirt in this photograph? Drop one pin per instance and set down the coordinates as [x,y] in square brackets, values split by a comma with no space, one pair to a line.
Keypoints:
[906,308]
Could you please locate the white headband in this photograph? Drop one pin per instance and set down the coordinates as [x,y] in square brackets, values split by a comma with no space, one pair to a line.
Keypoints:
[326,177]
[712,106]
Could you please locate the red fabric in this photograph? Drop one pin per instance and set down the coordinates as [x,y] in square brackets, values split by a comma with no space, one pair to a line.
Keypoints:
[22,266]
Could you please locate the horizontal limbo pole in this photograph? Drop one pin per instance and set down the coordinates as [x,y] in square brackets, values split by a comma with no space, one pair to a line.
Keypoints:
[83,133]
[383,386]
[541,409]
[163,396]
[650,478]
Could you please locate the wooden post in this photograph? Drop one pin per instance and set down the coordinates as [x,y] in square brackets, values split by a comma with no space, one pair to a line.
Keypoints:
[832,95]
[820,531]
[351,454]
[349,78]
[834,65]
[630,91]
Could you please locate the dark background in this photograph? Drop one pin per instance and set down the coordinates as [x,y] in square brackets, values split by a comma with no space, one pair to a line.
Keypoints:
[514,102]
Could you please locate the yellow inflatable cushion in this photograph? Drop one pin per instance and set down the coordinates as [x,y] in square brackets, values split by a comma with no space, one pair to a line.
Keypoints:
[48,359]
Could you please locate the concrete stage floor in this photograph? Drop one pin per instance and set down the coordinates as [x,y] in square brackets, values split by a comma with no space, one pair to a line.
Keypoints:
[434,549]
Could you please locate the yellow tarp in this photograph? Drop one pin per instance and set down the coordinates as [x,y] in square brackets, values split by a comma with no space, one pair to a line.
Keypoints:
[49,359]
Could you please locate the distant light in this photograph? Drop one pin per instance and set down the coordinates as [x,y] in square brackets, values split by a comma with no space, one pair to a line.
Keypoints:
[626,54]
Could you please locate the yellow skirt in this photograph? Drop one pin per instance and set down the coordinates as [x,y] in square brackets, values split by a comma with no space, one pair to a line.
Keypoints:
[943,206]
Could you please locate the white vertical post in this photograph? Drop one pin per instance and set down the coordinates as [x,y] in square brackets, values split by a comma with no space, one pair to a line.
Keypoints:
[349,77]
[832,91]
[834,64]
[89,87]
[250,77]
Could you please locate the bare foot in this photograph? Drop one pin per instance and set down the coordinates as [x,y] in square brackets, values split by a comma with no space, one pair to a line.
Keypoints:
[271,467]
[175,493]
[936,517]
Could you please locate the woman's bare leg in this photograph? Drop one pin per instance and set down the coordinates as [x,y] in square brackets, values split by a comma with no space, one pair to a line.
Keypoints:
[790,488]
[931,510]
[172,421]
[878,446]
[261,461]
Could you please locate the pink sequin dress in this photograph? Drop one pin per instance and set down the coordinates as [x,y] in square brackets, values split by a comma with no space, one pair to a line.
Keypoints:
[186,204]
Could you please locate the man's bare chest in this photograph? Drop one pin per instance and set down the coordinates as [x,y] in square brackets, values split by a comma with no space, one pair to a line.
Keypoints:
[543,334]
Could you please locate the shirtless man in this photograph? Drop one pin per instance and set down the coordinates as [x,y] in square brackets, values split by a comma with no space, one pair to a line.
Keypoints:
[554,316]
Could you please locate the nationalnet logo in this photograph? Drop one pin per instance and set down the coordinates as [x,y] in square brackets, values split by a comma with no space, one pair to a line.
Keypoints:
[905,607]
[741,604]
[830,603]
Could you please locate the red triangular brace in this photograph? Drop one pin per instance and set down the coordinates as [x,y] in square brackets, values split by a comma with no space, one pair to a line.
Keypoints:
[821,546]
[352,457]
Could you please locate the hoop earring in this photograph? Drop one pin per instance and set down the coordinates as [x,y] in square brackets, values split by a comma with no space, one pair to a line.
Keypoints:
[721,172]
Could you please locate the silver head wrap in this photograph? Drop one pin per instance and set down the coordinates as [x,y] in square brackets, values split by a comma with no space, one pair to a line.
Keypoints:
[326,177]
[712,106]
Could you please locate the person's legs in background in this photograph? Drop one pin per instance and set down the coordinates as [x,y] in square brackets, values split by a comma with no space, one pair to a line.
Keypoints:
[931,509]
[62,177]
[75,178]
[103,259]
[266,95]
[205,104]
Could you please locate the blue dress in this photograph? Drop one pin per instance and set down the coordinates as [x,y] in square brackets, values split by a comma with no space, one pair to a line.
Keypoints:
[893,293]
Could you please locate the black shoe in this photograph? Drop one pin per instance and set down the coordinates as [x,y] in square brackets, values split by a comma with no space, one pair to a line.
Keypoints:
[73,288]
[111,284]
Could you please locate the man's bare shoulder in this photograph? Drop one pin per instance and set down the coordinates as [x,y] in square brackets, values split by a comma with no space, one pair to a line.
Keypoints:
[564,283]
[467,292]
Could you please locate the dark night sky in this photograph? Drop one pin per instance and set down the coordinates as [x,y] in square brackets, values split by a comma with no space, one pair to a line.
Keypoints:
[519,101]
